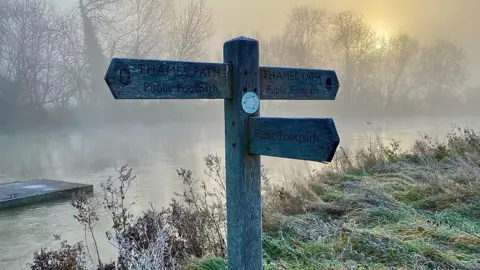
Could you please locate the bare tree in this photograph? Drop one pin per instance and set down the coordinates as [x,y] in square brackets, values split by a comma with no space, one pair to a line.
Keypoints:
[191,30]
[275,51]
[5,82]
[101,13]
[305,30]
[356,41]
[146,25]
[93,16]
[3,19]
[391,72]
[134,28]
[402,54]
[73,61]
[8,98]
[31,56]
[443,68]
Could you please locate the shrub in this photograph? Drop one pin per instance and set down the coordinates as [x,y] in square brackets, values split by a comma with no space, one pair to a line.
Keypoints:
[66,258]
[194,224]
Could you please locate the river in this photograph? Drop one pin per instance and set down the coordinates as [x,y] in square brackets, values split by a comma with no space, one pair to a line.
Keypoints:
[154,153]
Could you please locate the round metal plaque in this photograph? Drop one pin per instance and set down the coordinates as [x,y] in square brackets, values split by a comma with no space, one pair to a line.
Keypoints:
[250,102]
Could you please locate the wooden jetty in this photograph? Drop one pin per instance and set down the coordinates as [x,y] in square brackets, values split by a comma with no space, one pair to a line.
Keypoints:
[21,193]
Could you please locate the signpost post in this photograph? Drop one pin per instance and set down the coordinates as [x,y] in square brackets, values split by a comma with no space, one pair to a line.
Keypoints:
[242,83]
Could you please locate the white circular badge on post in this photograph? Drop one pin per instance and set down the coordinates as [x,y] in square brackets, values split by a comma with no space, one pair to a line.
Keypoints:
[250,102]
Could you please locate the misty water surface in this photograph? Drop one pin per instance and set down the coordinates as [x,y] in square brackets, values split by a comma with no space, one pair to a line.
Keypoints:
[154,152]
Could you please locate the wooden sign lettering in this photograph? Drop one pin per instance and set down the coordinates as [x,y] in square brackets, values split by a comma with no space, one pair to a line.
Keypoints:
[298,83]
[314,139]
[159,79]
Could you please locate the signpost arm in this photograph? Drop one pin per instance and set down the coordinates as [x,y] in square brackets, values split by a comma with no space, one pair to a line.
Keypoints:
[243,189]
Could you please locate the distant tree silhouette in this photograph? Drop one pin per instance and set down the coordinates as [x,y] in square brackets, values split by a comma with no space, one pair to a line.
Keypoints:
[356,42]
[444,69]
[191,29]
[96,61]
[304,33]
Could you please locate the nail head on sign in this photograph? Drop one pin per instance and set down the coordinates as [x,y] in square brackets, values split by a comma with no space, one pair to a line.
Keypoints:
[250,102]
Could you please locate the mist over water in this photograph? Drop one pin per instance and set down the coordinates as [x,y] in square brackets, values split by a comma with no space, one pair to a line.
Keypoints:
[58,119]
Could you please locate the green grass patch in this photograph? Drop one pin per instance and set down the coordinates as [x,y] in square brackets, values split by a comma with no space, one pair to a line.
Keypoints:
[207,263]
[415,193]
[332,194]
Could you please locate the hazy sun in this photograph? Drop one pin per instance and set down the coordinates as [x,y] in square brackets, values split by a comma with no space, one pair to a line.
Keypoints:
[382,31]
[380,27]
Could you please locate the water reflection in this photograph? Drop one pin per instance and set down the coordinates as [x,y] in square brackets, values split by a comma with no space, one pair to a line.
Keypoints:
[154,152]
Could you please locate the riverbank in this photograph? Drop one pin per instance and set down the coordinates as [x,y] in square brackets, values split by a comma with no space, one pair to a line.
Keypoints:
[376,208]
[381,208]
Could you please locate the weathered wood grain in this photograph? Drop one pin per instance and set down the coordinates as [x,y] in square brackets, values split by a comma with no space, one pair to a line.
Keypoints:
[161,79]
[244,201]
[298,83]
[314,139]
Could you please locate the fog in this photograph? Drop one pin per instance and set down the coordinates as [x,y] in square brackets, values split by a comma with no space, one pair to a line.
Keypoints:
[405,68]
[426,20]
[403,58]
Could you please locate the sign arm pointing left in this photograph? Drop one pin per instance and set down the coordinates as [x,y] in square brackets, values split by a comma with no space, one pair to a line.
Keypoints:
[161,79]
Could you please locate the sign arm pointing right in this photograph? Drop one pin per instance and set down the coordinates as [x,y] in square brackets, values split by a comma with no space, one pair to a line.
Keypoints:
[314,139]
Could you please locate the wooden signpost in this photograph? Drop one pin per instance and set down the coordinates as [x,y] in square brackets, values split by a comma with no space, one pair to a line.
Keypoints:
[242,83]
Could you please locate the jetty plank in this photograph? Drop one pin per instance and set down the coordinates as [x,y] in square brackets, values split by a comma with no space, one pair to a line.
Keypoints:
[22,193]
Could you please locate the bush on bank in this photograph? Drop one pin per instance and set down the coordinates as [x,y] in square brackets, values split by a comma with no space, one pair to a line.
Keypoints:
[375,208]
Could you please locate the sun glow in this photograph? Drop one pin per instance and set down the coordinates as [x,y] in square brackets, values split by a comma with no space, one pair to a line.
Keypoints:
[381,31]
[380,27]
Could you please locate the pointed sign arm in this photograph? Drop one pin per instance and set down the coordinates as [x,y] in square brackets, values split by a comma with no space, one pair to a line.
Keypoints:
[162,79]
[314,139]
[298,83]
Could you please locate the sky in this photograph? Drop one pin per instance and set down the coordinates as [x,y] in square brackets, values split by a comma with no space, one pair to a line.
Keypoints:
[426,20]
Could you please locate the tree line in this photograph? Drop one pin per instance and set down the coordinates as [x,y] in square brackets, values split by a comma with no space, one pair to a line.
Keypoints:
[378,75]
[52,61]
